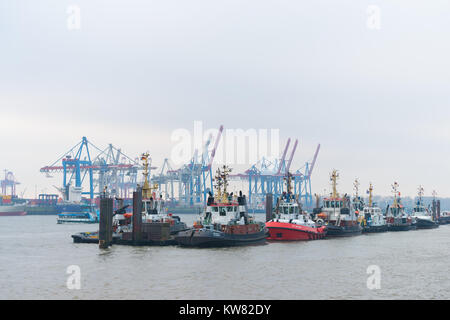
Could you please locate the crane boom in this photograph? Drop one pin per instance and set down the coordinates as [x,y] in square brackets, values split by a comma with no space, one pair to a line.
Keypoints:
[213,152]
[314,161]
[292,156]
[283,156]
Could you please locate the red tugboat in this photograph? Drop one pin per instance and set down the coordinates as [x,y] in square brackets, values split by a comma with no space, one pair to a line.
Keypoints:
[290,222]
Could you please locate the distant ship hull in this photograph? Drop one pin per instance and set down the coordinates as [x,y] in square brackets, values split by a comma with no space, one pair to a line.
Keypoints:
[282,231]
[11,211]
[401,227]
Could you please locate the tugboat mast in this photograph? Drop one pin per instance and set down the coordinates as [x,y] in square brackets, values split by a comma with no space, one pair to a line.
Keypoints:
[356,188]
[396,193]
[333,178]
[370,195]
[288,180]
[146,189]
[222,182]
[421,193]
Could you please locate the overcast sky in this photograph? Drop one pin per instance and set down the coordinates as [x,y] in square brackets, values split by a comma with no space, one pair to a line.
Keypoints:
[376,99]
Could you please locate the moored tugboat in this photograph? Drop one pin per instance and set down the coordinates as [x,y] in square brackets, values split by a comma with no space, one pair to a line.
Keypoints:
[338,214]
[425,220]
[290,222]
[396,217]
[374,220]
[225,221]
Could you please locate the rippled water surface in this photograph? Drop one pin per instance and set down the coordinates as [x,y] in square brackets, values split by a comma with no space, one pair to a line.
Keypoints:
[35,253]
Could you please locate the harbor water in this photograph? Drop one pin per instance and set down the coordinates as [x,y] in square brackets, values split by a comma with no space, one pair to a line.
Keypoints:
[35,254]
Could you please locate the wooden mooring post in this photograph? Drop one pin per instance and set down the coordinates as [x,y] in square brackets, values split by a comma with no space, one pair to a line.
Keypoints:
[105,223]
[137,216]
[269,206]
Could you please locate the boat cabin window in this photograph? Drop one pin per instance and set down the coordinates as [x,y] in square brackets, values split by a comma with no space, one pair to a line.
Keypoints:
[394,211]
[223,211]
[333,204]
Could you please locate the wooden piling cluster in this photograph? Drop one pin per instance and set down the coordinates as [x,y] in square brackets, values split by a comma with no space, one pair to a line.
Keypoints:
[143,233]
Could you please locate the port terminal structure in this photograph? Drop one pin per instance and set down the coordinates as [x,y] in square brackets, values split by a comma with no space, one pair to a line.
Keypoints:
[268,177]
[194,180]
[110,169]
[101,169]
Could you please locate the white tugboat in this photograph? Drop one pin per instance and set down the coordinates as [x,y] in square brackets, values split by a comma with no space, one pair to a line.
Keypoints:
[154,209]
[225,221]
[374,220]
[396,217]
[338,213]
[424,217]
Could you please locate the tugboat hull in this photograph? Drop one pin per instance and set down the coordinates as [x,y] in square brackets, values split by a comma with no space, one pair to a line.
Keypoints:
[211,238]
[373,229]
[343,231]
[282,231]
[426,224]
[401,227]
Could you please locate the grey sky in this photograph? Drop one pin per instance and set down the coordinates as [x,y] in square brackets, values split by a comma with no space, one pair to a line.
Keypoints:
[377,101]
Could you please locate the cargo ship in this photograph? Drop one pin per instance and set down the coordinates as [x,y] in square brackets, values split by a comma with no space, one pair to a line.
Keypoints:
[9,208]
[373,218]
[337,213]
[225,221]
[425,219]
[396,217]
[290,222]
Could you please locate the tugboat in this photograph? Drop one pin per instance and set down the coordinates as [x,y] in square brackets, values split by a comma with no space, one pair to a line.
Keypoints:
[338,214]
[224,222]
[373,218]
[425,220]
[290,222]
[396,217]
